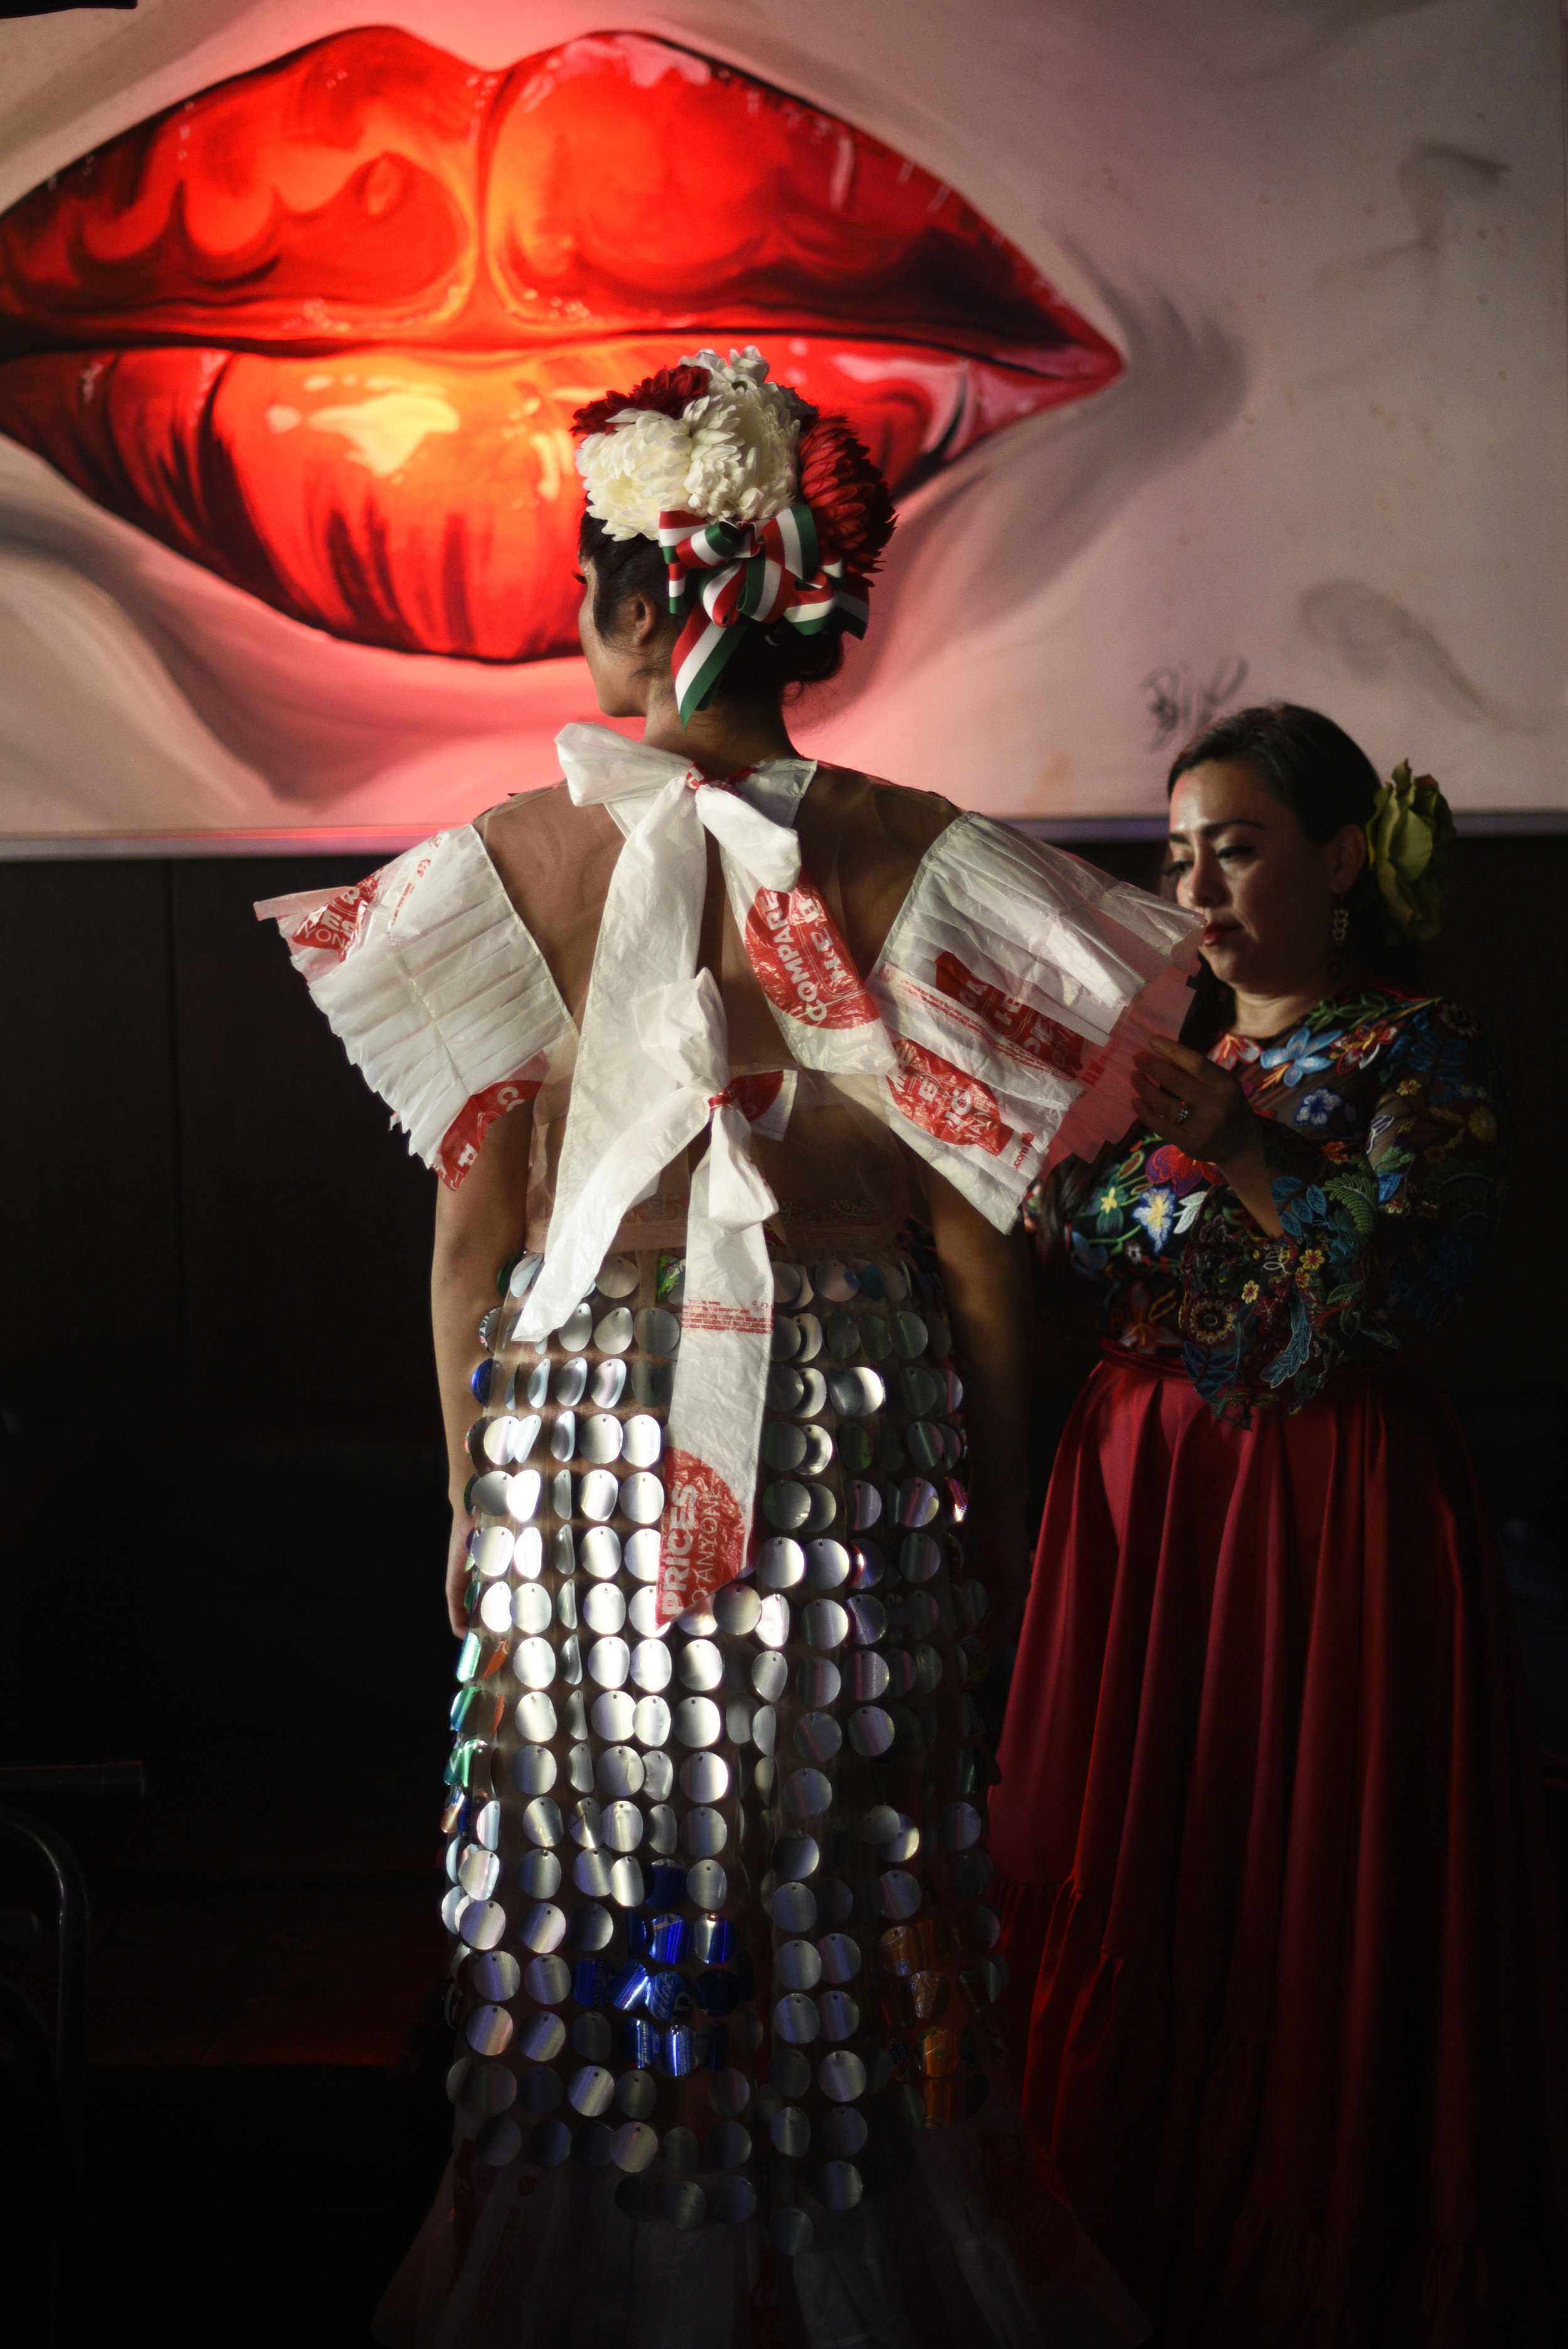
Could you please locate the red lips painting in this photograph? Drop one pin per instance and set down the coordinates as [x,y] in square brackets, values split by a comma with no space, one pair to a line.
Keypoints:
[321,327]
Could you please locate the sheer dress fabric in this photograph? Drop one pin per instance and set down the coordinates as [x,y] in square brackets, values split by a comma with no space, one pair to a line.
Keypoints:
[727,2067]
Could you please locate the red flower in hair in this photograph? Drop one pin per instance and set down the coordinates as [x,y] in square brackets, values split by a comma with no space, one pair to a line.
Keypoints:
[665,394]
[846,493]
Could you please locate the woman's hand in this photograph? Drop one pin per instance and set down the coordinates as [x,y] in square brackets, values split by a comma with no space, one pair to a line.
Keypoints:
[1203,1110]
[458,1569]
[1199,1108]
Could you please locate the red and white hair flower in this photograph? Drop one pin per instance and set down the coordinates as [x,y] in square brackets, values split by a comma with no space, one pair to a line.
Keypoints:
[849,501]
[667,393]
[715,439]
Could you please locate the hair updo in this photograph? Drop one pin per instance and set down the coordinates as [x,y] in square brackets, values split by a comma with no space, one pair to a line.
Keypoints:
[1326,780]
[765,663]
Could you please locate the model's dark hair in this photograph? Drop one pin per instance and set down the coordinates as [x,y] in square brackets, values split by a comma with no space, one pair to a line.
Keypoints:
[1326,780]
[765,663]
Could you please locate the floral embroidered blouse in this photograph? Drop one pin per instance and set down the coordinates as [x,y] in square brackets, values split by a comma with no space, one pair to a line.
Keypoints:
[1386,1129]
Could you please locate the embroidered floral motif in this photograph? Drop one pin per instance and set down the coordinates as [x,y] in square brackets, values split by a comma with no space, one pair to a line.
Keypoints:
[1385,1136]
[1142,1329]
[1319,1107]
[1210,1320]
[1172,1166]
[1156,1211]
[1300,1056]
[1363,1048]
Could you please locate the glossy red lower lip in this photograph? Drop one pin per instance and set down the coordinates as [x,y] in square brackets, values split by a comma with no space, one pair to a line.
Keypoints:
[322,327]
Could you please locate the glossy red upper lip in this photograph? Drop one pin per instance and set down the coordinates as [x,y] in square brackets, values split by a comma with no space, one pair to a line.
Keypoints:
[321,327]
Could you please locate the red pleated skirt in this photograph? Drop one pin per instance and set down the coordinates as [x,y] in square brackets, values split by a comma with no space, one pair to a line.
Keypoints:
[1277,1901]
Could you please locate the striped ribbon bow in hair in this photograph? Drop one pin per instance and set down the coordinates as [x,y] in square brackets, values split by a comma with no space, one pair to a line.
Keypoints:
[766,572]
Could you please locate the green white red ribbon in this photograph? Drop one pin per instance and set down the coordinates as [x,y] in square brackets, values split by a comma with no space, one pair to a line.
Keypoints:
[766,572]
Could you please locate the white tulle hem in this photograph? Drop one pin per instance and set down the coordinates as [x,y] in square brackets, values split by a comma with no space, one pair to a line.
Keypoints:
[553,2263]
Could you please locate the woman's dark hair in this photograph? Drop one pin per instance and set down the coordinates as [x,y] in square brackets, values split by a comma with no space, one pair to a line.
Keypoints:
[1326,780]
[765,663]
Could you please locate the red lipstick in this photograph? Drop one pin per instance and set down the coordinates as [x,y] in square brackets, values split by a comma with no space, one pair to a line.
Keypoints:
[321,327]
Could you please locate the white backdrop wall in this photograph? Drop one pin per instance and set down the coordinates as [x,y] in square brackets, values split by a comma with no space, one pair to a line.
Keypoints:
[1325,238]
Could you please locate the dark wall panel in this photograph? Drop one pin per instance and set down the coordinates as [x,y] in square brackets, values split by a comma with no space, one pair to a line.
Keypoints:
[91,1292]
[1504,953]
[204,1202]
[307,1223]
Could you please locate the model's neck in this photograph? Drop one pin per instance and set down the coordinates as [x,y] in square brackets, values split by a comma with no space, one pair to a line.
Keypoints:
[1267,1015]
[721,740]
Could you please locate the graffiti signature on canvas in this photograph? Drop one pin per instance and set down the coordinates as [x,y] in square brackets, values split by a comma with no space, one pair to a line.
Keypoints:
[1181,703]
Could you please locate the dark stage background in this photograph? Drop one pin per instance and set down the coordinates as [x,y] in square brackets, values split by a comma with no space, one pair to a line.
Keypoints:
[221,1505]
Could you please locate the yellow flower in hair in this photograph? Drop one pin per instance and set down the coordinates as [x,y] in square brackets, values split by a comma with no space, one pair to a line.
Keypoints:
[1409,849]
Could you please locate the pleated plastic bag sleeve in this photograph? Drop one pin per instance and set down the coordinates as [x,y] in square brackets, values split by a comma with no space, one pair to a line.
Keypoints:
[436,990]
[1017,984]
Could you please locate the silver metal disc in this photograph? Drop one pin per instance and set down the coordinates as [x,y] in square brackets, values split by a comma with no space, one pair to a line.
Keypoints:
[617,1277]
[574,1331]
[604,1608]
[599,1439]
[613,1717]
[642,1440]
[598,1495]
[533,1770]
[614,1332]
[643,1498]
[658,1331]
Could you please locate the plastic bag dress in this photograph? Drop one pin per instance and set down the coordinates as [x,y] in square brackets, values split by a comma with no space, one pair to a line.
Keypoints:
[726,2068]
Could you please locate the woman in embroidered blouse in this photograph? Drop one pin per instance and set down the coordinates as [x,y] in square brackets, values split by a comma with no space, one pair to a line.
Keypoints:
[692,1037]
[1273,1885]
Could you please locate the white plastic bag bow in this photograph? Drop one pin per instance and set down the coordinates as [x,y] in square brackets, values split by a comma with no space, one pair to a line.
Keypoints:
[653,1071]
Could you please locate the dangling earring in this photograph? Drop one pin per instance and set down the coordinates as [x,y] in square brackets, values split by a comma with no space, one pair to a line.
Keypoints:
[1339,924]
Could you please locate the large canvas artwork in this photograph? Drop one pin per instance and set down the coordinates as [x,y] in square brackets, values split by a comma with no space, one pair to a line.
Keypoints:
[1211,352]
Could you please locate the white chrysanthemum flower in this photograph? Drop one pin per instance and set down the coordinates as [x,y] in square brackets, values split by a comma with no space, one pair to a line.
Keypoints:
[636,471]
[742,465]
[742,369]
[745,373]
[744,430]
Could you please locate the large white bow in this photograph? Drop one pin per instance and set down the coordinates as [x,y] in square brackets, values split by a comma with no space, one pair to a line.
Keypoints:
[652,1072]
[642,1037]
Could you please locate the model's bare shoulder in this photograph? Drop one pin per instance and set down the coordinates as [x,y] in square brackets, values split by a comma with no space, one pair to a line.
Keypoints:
[525,823]
[909,820]
[554,859]
[536,837]
[885,832]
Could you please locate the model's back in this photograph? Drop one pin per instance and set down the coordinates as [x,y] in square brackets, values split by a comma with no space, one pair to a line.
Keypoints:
[861,842]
